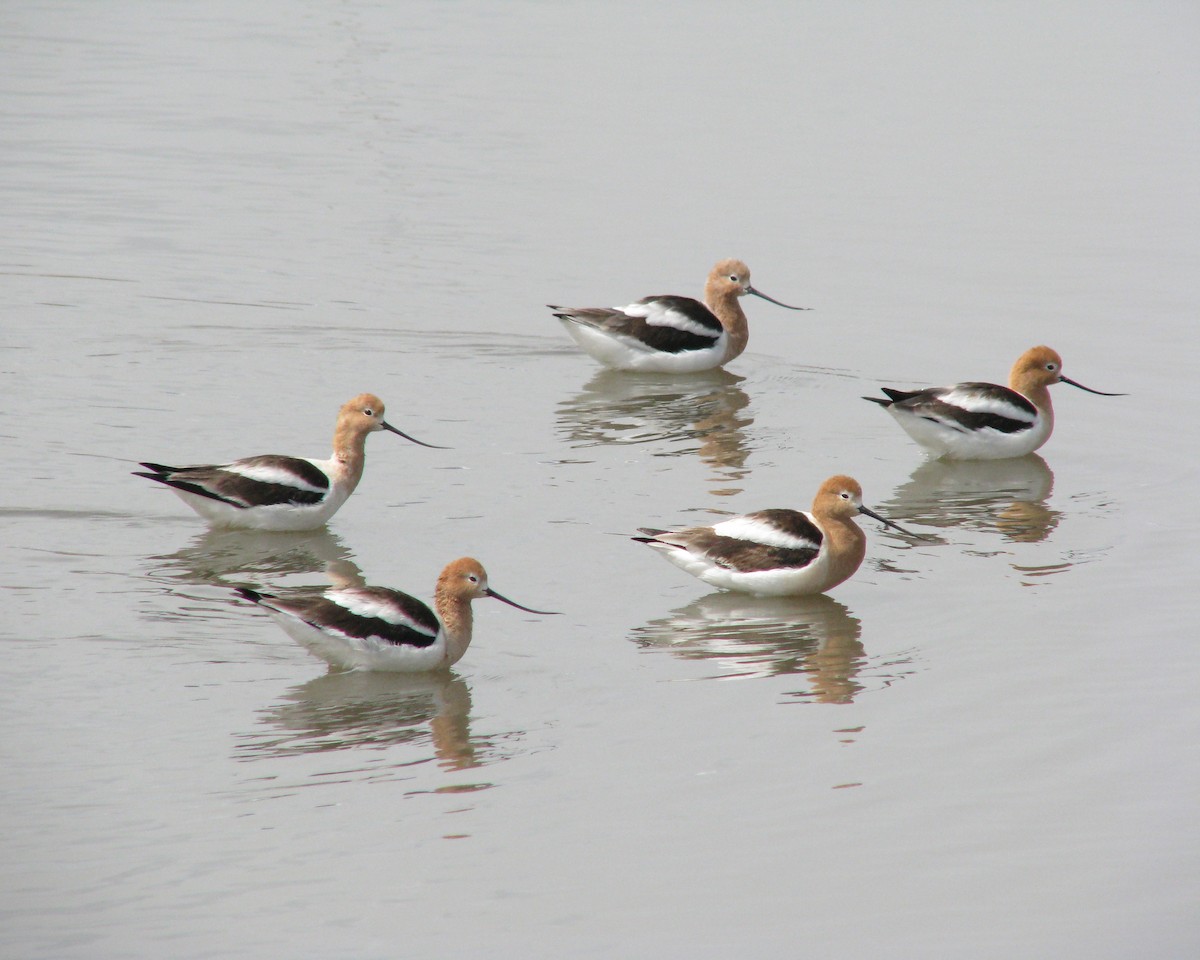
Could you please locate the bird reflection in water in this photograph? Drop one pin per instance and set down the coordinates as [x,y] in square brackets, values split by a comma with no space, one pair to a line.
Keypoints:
[747,637]
[231,557]
[1001,496]
[380,725]
[702,413]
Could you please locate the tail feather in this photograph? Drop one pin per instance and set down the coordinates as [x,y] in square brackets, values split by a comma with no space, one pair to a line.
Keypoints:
[652,535]
[594,317]
[186,485]
[252,595]
[894,396]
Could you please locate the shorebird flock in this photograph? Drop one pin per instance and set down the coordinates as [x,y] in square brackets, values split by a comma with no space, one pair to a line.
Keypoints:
[772,552]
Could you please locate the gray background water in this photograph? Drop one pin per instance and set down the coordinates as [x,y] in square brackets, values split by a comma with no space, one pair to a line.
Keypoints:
[222,220]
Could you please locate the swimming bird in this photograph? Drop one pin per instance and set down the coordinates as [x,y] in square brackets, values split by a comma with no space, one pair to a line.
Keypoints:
[359,627]
[273,492]
[776,552]
[669,334]
[985,421]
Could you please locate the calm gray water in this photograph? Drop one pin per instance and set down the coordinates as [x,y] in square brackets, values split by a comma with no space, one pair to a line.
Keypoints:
[222,220]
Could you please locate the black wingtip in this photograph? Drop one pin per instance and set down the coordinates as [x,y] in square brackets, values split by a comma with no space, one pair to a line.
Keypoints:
[247,594]
[879,400]
[188,487]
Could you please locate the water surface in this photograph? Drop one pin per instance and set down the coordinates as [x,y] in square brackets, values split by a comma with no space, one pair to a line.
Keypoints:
[223,221]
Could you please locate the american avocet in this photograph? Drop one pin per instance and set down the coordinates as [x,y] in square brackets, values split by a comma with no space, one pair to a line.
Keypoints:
[282,493]
[376,628]
[669,334]
[776,552]
[985,421]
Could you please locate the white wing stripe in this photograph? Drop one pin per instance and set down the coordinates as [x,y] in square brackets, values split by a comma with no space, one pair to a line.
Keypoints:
[658,316]
[272,474]
[756,531]
[374,608]
[976,402]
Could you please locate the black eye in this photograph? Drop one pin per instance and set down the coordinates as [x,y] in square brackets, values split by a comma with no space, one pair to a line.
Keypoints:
[735,278]
[369,412]
[844,495]
[1051,367]
[472,578]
